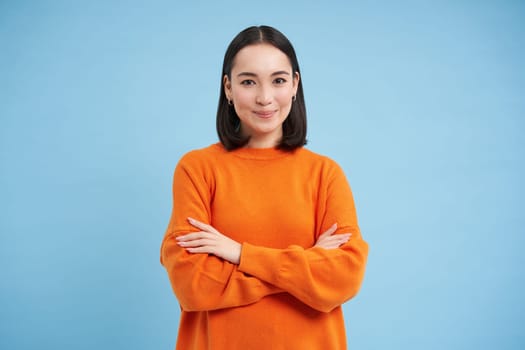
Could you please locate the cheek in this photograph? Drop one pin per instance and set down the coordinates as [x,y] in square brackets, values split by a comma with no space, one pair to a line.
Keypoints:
[242,97]
[284,97]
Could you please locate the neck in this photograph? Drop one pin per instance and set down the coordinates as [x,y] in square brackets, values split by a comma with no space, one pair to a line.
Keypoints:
[262,143]
[270,140]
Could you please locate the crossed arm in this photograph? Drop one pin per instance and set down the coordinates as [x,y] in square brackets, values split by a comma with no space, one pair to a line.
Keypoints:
[210,241]
[210,271]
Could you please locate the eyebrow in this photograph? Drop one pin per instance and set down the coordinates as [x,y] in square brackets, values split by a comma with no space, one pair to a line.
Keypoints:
[249,74]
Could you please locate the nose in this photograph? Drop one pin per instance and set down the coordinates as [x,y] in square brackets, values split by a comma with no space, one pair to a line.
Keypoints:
[264,96]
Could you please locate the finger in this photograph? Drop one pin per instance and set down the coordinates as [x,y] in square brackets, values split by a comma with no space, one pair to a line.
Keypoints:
[192,236]
[341,236]
[334,241]
[201,225]
[329,232]
[203,249]
[330,245]
[196,243]
[338,237]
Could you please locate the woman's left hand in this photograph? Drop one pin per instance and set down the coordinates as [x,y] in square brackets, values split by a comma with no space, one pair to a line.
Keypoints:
[210,241]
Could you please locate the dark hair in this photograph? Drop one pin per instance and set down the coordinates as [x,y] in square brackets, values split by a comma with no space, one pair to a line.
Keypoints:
[294,127]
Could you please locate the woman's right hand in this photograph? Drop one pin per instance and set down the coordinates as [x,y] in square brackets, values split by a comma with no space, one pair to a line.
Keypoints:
[328,240]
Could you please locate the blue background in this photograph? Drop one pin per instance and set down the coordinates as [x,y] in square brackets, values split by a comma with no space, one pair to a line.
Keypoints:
[421,102]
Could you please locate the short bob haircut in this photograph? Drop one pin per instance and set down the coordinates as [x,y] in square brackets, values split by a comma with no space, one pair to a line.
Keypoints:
[294,127]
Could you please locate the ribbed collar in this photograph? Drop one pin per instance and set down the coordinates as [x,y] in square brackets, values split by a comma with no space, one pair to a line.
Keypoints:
[257,153]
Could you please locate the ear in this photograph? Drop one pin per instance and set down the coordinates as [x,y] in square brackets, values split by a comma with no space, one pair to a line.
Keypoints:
[227,86]
[296,79]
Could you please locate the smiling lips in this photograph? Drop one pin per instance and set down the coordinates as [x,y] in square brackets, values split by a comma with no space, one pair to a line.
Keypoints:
[264,114]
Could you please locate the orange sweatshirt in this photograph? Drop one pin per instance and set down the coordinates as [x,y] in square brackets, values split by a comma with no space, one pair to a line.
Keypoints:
[284,294]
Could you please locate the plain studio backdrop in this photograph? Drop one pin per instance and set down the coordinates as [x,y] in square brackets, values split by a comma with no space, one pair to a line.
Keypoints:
[421,102]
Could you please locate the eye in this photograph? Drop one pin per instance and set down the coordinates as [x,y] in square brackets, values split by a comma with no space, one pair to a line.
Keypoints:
[248,82]
[279,81]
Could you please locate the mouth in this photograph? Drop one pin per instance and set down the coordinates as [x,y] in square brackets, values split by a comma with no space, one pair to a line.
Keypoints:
[264,114]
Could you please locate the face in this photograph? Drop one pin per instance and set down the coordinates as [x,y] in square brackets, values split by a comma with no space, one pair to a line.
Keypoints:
[261,87]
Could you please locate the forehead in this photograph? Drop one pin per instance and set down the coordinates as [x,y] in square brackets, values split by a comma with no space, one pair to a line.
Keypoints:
[261,58]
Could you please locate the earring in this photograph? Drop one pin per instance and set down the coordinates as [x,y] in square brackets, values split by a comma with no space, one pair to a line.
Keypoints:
[230,102]
[294,97]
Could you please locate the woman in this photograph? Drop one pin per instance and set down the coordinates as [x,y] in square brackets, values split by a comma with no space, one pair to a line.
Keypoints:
[263,245]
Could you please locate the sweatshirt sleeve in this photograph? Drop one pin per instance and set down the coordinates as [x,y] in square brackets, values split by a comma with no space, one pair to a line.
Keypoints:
[321,278]
[202,281]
